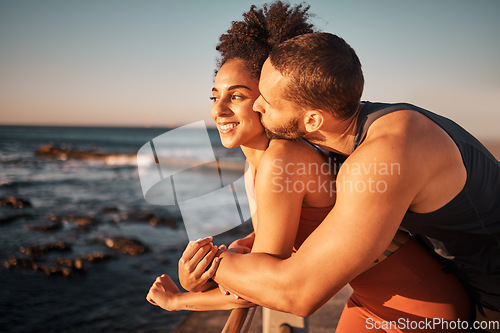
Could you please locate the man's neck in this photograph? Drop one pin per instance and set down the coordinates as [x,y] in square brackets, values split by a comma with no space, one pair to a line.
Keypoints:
[337,135]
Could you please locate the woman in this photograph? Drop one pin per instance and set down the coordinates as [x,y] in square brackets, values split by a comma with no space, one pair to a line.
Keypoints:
[235,90]
[288,212]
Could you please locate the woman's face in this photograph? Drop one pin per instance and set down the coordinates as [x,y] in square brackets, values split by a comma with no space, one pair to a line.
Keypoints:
[233,95]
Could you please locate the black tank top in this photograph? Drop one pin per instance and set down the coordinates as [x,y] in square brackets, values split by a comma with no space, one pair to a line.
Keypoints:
[466,231]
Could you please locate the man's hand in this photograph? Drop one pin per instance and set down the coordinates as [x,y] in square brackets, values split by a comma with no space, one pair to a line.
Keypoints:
[163,293]
[197,265]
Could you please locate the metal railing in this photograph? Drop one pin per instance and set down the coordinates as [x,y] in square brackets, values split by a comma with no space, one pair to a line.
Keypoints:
[239,321]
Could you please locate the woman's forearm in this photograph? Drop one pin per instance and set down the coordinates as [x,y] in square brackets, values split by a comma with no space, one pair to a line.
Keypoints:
[165,294]
[206,301]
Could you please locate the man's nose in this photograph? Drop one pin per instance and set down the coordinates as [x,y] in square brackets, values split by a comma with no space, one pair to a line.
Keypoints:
[257,105]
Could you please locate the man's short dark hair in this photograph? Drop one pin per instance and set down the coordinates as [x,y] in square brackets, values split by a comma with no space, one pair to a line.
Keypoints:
[324,71]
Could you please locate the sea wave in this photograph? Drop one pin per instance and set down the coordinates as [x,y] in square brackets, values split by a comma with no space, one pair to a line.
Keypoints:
[188,157]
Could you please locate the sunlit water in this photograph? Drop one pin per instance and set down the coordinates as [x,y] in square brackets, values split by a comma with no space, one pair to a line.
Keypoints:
[110,295]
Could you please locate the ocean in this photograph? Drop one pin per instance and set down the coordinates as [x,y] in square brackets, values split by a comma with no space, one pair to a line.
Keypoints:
[69,197]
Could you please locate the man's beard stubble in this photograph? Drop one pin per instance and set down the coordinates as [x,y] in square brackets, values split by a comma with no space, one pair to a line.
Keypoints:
[289,131]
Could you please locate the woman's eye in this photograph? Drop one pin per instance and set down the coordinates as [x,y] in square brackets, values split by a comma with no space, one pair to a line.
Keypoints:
[213,98]
[236,97]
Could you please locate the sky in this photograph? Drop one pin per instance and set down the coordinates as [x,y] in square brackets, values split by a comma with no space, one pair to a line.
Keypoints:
[151,62]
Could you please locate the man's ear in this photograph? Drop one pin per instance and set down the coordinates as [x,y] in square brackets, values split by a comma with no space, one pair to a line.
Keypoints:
[313,120]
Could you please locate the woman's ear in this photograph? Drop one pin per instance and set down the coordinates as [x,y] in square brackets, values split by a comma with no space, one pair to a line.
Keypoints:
[313,120]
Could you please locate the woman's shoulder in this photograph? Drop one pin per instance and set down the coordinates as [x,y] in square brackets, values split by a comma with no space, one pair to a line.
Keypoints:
[292,151]
[289,154]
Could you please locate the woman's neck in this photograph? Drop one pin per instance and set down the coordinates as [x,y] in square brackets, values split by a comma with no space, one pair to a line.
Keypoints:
[254,152]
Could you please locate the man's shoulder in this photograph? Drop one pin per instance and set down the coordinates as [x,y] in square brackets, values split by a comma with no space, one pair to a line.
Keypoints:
[407,129]
[401,122]
[405,138]
[426,158]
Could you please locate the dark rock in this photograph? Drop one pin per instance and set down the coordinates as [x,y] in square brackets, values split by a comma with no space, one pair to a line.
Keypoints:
[168,222]
[110,214]
[45,227]
[96,257]
[126,245]
[58,270]
[63,153]
[18,262]
[52,217]
[78,263]
[151,218]
[81,221]
[14,202]
[137,216]
[74,264]
[110,210]
[35,250]
[62,266]
[12,218]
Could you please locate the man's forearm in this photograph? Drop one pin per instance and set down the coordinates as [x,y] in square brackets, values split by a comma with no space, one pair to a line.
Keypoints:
[299,284]
[257,278]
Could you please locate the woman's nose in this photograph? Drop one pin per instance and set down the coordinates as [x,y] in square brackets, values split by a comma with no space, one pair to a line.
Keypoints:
[220,108]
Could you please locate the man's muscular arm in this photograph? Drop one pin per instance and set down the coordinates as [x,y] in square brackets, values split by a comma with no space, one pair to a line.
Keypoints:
[353,235]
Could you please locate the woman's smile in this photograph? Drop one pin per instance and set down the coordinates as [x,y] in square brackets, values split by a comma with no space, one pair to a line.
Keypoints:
[226,127]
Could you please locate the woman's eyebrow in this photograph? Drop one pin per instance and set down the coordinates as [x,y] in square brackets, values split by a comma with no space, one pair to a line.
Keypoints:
[236,86]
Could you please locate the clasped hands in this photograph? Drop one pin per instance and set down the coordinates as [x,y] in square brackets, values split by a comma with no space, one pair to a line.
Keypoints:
[197,266]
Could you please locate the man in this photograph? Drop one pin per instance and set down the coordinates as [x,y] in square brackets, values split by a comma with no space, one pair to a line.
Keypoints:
[406,168]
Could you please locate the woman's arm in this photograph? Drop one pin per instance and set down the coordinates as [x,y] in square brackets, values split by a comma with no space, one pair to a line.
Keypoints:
[165,294]
[279,199]
[195,265]
[278,214]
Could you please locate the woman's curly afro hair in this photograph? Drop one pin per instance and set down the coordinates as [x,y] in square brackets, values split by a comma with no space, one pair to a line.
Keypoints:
[253,38]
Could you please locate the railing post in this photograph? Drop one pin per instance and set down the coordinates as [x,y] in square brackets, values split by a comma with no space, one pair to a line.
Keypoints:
[276,321]
[239,320]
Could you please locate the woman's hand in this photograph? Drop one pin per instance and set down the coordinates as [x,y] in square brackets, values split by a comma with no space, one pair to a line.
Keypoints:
[197,265]
[242,245]
[163,293]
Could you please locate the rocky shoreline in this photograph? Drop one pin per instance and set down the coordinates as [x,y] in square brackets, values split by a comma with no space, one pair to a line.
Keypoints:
[65,153]
[57,258]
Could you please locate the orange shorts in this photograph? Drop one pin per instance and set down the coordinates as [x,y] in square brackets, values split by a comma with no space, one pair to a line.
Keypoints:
[410,291]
